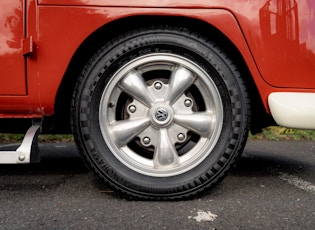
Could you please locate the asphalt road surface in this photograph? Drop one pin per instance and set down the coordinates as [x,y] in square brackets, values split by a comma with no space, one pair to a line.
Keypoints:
[272,187]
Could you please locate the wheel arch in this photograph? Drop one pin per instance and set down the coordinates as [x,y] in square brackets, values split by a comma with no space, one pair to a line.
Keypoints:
[60,121]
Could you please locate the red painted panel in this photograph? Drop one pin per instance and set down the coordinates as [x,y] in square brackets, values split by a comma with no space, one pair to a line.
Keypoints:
[12,72]
[281,36]
[60,36]
[280,33]
[136,3]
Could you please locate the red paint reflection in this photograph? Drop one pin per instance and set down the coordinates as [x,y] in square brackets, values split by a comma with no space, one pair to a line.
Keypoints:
[11,26]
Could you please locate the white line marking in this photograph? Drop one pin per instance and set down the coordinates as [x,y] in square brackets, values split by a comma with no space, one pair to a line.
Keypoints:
[298,182]
[204,216]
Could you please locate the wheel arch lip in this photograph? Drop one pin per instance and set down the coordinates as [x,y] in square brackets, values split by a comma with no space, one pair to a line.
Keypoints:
[220,19]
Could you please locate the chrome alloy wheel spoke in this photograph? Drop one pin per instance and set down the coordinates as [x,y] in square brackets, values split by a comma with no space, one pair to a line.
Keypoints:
[200,122]
[124,131]
[181,80]
[165,154]
[134,85]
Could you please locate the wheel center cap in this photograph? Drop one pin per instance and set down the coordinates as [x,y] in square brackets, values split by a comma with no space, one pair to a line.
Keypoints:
[161,115]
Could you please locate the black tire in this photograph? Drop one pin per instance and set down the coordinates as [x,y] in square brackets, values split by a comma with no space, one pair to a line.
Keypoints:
[160,113]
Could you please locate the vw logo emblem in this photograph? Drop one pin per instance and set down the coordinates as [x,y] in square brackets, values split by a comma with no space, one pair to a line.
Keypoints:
[161,114]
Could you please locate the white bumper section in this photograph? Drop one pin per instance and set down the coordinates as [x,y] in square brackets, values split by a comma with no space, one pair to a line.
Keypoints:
[294,110]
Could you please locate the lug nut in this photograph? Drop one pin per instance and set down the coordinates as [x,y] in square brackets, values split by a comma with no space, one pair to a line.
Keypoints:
[181,137]
[132,108]
[188,102]
[146,140]
[158,85]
